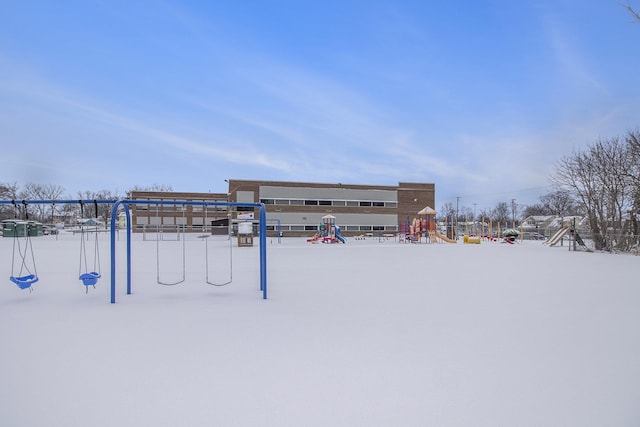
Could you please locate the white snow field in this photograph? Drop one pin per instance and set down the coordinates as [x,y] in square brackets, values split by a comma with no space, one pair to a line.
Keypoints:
[362,334]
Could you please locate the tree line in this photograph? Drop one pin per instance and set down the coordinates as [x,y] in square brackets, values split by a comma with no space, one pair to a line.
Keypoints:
[50,213]
[604,180]
[600,182]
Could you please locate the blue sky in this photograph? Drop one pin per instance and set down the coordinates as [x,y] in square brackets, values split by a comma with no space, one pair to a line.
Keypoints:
[479,97]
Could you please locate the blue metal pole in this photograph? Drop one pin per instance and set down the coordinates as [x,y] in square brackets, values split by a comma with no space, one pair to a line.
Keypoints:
[263,250]
[128,218]
[114,214]
[61,202]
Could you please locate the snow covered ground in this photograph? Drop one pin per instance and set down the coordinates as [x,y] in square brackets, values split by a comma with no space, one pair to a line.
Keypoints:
[362,334]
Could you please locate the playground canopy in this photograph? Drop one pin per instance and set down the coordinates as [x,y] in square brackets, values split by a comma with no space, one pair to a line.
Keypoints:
[427,211]
[510,232]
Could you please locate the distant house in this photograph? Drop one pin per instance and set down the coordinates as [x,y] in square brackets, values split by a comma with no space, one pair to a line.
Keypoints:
[90,222]
[558,222]
[122,220]
[537,222]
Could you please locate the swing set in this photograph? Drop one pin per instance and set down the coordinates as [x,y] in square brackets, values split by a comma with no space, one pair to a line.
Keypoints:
[125,205]
[89,277]
[163,248]
[27,275]
[23,261]
[24,271]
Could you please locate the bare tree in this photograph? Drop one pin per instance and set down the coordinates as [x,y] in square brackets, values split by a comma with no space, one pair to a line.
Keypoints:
[152,187]
[537,209]
[633,144]
[576,174]
[32,191]
[465,214]
[100,211]
[599,178]
[632,11]
[68,213]
[559,203]
[8,191]
[447,213]
[104,210]
[484,214]
[448,210]
[43,212]
[501,213]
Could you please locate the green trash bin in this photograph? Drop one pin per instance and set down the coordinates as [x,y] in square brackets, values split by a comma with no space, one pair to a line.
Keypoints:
[20,228]
[34,229]
[14,228]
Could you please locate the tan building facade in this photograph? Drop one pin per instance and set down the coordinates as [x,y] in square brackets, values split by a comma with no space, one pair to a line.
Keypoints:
[359,209]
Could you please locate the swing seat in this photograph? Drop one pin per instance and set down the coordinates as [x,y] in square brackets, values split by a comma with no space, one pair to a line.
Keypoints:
[90,279]
[24,282]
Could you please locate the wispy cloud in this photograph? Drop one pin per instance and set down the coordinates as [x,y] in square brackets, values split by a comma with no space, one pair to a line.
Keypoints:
[569,57]
[221,148]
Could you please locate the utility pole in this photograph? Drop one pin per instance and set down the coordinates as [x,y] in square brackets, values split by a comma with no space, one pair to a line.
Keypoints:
[474,219]
[513,213]
[456,226]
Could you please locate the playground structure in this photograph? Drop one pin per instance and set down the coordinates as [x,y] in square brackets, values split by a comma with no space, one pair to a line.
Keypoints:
[422,226]
[24,281]
[570,230]
[471,239]
[557,237]
[510,235]
[474,233]
[413,231]
[328,232]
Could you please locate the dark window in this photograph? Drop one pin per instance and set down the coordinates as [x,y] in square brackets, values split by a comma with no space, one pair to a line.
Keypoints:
[244,209]
[311,203]
[365,203]
[267,201]
[310,228]
[324,202]
[378,204]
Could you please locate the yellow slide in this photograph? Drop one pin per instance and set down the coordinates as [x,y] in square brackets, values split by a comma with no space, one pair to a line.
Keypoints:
[445,238]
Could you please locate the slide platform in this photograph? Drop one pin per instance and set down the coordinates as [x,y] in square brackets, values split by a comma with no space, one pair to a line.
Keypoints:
[444,238]
[557,237]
